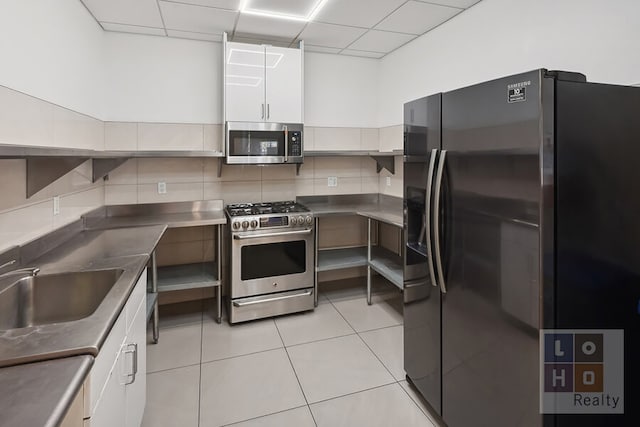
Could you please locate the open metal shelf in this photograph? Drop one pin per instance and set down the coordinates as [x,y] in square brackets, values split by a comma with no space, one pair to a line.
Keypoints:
[188,276]
[337,259]
[387,264]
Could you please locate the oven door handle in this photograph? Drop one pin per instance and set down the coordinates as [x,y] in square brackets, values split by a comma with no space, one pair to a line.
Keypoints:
[258,236]
[260,301]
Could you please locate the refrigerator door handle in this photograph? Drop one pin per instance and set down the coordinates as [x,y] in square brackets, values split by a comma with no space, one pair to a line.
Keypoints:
[436,220]
[432,166]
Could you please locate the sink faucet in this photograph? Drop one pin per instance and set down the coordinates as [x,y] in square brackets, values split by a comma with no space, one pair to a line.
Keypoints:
[29,271]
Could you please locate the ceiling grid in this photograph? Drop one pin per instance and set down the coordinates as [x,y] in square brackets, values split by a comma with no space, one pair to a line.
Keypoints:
[366,28]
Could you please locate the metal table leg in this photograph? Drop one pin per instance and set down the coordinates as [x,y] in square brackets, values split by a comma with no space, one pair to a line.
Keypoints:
[369,261]
[154,288]
[315,263]
[219,290]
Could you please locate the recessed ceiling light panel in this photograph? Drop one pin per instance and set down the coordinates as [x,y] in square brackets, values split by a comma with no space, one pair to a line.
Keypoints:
[245,7]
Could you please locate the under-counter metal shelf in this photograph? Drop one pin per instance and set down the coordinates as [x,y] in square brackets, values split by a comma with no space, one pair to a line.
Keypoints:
[338,259]
[188,276]
[388,264]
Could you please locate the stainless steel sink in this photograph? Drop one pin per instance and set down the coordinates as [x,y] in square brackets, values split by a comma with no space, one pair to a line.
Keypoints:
[54,298]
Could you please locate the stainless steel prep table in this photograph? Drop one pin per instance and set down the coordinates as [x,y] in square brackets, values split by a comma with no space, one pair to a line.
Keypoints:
[173,215]
[376,208]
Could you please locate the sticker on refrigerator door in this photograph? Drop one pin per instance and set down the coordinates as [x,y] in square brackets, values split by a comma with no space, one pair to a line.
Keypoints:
[582,371]
[517,92]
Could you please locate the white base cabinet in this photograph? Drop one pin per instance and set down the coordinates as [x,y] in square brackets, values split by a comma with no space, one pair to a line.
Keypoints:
[115,393]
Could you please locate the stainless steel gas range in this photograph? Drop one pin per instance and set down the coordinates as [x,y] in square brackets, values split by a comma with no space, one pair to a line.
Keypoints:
[271,260]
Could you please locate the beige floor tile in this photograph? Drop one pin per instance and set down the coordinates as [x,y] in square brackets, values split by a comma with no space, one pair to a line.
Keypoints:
[220,341]
[388,345]
[172,398]
[299,417]
[321,323]
[415,396]
[379,407]
[336,367]
[385,310]
[246,387]
[178,346]
[180,314]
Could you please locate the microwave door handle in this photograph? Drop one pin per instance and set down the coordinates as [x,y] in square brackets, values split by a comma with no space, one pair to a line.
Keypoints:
[436,220]
[427,225]
[286,143]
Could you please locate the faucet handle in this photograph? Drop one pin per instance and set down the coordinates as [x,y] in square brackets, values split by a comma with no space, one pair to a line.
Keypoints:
[8,263]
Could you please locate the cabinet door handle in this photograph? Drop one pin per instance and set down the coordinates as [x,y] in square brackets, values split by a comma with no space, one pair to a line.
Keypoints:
[134,368]
[262,116]
[268,111]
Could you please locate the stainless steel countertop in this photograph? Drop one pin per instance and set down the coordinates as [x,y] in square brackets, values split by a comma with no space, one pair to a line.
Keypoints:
[382,208]
[126,249]
[39,394]
[174,215]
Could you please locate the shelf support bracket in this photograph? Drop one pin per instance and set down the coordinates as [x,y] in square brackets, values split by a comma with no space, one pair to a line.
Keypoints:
[298,166]
[220,163]
[42,171]
[385,162]
[102,167]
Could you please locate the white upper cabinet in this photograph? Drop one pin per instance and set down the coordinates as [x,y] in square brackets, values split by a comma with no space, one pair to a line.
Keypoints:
[284,85]
[245,83]
[263,84]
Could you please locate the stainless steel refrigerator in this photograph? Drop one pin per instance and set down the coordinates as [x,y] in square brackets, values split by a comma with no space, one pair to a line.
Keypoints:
[522,214]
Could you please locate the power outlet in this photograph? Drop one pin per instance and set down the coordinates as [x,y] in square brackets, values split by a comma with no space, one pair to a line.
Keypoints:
[162,188]
[332,181]
[388,181]
[56,205]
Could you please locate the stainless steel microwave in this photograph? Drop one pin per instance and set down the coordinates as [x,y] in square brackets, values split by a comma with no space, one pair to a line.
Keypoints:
[264,143]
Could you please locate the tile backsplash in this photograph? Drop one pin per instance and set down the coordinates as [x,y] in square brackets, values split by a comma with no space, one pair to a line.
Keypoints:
[25,120]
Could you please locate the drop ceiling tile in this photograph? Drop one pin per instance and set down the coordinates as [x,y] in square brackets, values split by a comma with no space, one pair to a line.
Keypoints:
[362,53]
[330,35]
[258,40]
[135,29]
[141,12]
[285,7]
[194,36]
[380,41]
[462,4]
[356,13]
[197,19]
[415,17]
[321,49]
[269,28]
[221,4]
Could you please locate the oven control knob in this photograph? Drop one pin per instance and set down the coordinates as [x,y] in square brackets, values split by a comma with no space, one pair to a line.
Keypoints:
[254,223]
[309,220]
[293,220]
[300,220]
[236,225]
[245,224]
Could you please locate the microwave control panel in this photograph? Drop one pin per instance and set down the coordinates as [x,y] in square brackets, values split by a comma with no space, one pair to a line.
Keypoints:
[295,143]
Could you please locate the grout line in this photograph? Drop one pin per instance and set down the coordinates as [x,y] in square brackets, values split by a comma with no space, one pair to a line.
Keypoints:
[164,26]
[265,415]
[295,373]
[356,392]
[172,369]
[378,358]
[322,339]
[241,355]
